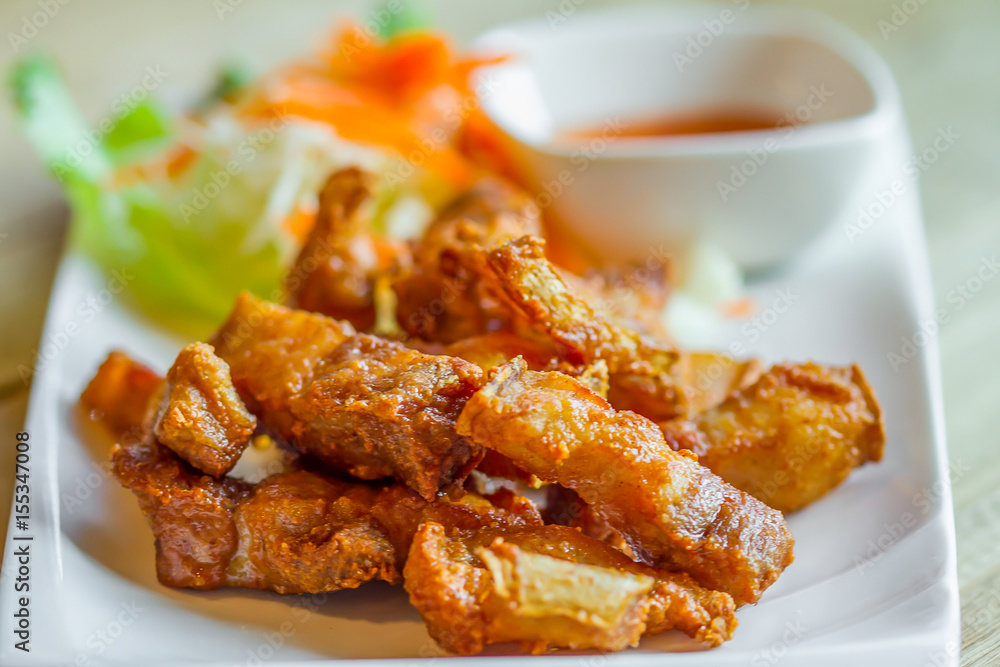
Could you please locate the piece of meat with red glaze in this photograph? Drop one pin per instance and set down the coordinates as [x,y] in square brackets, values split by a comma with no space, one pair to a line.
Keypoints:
[378,409]
[670,509]
[791,437]
[201,417]
[123,392]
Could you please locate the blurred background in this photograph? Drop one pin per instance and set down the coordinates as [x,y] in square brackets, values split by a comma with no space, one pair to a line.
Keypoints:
[945,56]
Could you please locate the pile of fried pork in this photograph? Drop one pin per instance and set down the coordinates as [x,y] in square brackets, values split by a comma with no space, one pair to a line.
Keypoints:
[424,390]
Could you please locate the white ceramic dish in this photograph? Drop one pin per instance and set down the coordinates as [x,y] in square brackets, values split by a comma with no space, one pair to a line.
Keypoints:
[94,596]
[873,583]
[760,195]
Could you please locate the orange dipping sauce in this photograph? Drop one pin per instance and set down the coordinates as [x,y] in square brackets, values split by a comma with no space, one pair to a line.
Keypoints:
[704,122]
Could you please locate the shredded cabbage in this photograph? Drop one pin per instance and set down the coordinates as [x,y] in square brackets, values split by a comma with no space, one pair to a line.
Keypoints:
[190,241]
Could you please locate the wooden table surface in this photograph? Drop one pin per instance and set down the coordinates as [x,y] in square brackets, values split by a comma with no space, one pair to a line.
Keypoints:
[945,55]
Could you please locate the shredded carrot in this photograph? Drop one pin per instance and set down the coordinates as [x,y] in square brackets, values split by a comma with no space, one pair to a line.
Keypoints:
[181,158]
[300,221]
[739,308]
[403,69]
[483,143]
[385,93]
[400,71]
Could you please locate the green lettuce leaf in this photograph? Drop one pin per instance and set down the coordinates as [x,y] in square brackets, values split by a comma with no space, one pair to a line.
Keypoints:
[184,270]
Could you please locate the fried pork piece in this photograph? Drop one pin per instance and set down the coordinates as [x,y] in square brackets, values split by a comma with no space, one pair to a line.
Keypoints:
[555,320]
[632,296]
[201,417]
[371,407]
[273,352]
[378,409]
[550,587]
[122,393]
[493,349]
[475,273]
[303,533]
[294,532]
[583,335]
[565,507]
[442,298]
[696,382]
[496,466]
[191,513]
[791,437]
[659,395]
[492,203]
[671,510]
[709,378]
[341,259]
[642,368]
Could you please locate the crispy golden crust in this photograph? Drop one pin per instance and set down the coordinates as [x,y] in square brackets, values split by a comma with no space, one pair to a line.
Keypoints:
[632,296]
[710,378]
[295,532]
[301,533]
[696,382]
[583,334]
[380,409]
[642,368]
[273,352]
[676,601]
[191,514]
[201,417]
[442,298]
[791,437]
[490,350]
[371,407]
[337,267]
[123,393]
[493,349]
[550,587]
[668,507]
[496,466]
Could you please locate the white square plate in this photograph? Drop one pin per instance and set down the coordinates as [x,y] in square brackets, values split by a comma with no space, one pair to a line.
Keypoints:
[873,581]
